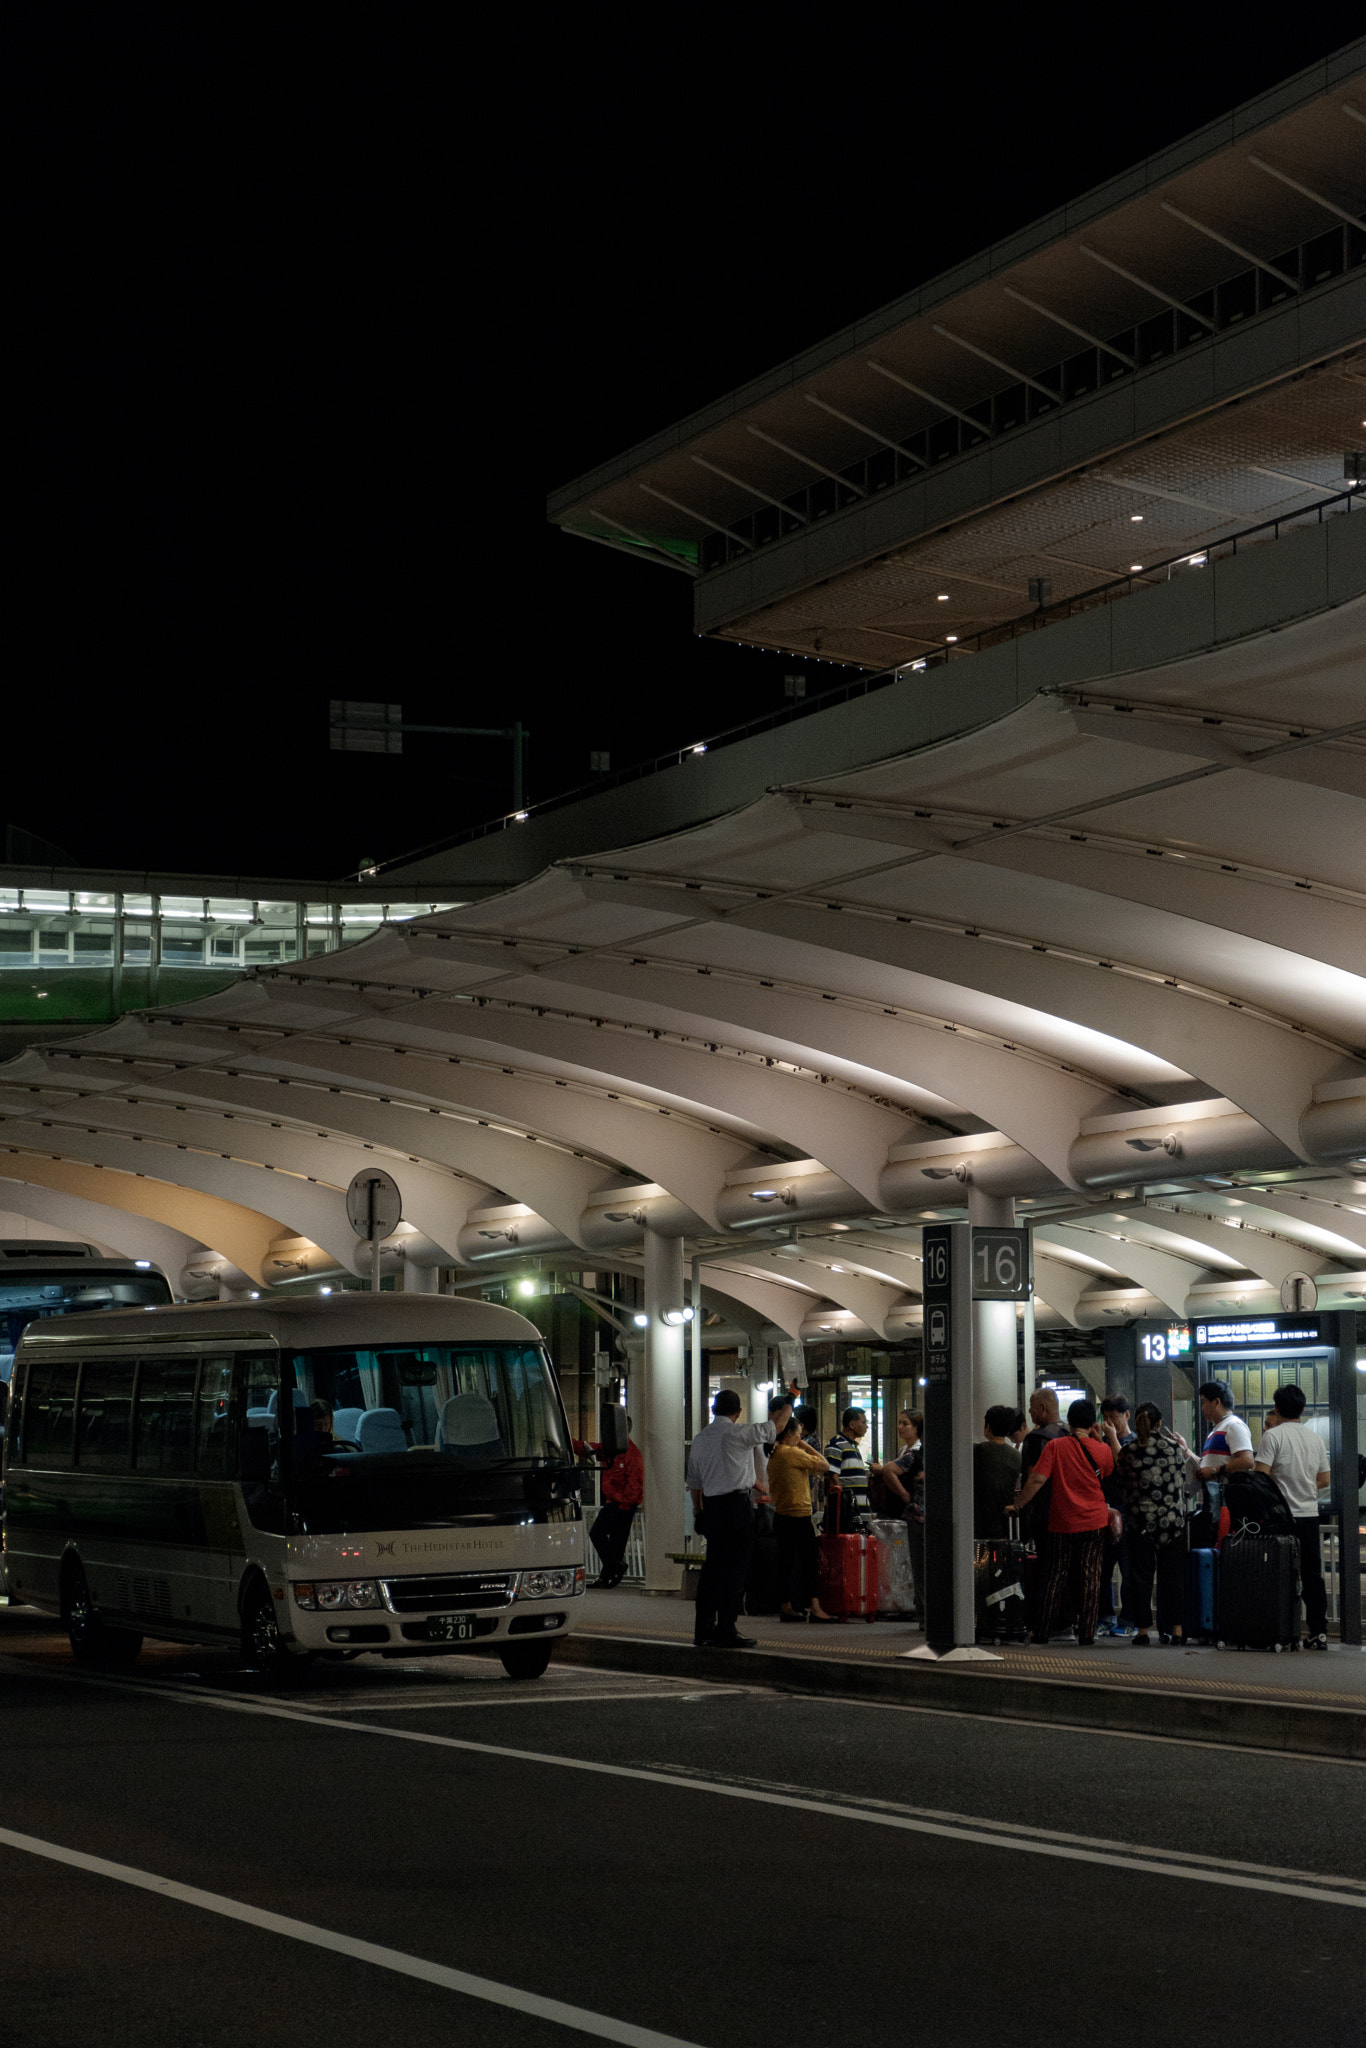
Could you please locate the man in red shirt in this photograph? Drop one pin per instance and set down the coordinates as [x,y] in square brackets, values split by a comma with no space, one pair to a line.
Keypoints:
[1078,1517]
[623,1490]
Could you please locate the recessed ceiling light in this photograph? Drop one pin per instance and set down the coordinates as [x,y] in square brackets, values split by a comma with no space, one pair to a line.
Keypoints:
[950,636]
[1134,567]
[1135,519]
[943,597]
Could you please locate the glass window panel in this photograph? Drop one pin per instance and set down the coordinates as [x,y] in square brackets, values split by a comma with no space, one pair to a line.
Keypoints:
[164,1445]
[49,1408]
[215,1420]
[106,1412]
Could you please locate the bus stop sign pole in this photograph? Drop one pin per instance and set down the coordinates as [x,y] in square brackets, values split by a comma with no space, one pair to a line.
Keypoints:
[374,1209]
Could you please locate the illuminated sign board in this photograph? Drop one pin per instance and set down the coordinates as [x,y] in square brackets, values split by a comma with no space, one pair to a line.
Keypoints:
[1173,1342]
[1255,1332]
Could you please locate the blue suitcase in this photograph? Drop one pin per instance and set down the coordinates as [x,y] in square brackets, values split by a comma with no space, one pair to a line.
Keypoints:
[1200,1594]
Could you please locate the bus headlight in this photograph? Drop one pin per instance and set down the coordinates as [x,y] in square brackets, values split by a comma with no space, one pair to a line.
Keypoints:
[559,1584]
[331,1594]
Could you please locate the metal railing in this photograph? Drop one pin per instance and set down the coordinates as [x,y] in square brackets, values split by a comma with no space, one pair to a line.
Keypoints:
[864,683]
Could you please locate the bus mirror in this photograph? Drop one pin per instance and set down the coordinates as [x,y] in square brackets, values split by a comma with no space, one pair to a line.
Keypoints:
[255,1453]
[612,1429]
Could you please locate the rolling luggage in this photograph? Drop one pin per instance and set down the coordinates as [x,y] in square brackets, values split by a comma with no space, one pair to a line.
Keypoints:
[895,1594]
[764,1591]
[1004,1573]
[847,1575]
[1254,1501]
[1200,1595]
[1259,1590]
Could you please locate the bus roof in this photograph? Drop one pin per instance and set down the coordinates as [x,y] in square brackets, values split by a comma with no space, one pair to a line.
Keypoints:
[308,1322]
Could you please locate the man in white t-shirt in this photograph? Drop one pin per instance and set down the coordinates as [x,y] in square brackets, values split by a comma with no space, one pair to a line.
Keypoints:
[1296,1457]
[1228,1441]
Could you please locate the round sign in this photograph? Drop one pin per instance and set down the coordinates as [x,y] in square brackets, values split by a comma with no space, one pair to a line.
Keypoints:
[374,1206]
[1298,1294]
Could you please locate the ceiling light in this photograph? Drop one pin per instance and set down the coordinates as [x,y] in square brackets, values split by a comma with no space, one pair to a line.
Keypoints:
[1135,519]
[1134,567]
[700,749]
[641,1320]
[255,1296]
[526,1286]
[950,636]
[324,1290]
[919,664]
[943,597]
[837,1269]
[142,1264]
[519,817]
[674,1316]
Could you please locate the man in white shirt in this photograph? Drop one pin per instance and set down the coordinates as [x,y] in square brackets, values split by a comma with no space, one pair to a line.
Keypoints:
[1228,1440]
[720,1475]
[1296,1457]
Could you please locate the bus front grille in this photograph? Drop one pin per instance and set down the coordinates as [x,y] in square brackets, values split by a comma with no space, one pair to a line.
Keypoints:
[458,1589]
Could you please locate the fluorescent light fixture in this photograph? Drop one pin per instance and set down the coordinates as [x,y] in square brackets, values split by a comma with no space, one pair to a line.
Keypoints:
[1134,567]
[1135,519]
[519,817]
[919,664]
[942,598]
[142,1264]
[950,636]
[700,749]
[641,1320]
[837,1269]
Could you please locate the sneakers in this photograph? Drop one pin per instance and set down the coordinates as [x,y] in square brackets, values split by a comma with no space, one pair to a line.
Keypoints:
[1316,1642]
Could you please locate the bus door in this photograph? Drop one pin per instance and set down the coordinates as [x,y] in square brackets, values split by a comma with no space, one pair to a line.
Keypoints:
[218,1425]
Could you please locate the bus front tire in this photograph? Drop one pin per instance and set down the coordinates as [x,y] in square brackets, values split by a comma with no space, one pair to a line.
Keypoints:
[526,1660]
[92,1640]
[263,1647]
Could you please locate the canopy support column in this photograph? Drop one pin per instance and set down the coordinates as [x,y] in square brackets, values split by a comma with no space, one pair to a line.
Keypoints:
[660,1431]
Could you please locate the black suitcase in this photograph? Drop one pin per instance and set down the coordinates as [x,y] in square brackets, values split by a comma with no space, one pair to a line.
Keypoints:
[1005,1581]
[1259,1587]
[764,1589]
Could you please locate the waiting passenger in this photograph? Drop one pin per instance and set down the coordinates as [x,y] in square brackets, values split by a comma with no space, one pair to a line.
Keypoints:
[995,1472]
[623,1491]
[847,1467]
[1296,1458]
[1072,1467]
[1152,1476]
[1228,1443]
[790,1467]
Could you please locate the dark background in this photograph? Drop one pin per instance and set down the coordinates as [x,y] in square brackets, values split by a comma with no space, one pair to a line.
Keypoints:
[310,307]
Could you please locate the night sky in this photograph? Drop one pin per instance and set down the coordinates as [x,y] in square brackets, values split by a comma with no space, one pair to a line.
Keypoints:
[309,308]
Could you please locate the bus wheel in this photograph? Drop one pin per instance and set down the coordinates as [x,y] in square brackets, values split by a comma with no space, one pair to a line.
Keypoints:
[92,1641]
[526,1660]
[263,1647]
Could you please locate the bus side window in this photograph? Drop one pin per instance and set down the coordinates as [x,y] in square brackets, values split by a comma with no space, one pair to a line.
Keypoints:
[164,1430]
[49,1409]
[216,1423]
[258,1396]
[106,1412]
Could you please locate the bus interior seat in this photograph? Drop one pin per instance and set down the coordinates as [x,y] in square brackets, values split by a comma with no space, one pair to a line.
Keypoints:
[381,1430]
[346,1424]
[468,1425]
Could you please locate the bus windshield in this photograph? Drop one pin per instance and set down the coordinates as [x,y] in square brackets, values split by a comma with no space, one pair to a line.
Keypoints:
[406,1435]
[30,1298]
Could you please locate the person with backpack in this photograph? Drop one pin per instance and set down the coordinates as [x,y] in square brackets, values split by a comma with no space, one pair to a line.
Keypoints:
[1152,1476]
[1072,1467]
[1295,1457]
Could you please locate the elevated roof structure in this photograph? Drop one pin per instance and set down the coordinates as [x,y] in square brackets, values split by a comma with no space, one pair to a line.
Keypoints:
[1171,357]
[1092,934]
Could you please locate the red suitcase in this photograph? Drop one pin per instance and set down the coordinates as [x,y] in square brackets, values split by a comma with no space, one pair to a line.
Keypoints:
[847,1575]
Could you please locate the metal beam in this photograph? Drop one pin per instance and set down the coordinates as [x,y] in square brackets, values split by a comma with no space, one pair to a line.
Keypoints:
[706,519]
[1071,327]
[657,555]
[753,489]
[930,397]
[1225,243]
[873,433]
[1154,290]
[1353,220]
[809,460]
[1007,369]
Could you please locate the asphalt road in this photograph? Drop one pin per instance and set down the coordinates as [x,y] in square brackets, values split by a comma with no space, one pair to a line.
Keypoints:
[401,1854]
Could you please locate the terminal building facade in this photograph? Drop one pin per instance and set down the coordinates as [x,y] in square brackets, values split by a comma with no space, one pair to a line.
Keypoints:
[1045,904]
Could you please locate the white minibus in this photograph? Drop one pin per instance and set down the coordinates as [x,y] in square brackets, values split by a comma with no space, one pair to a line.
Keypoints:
[331,1476]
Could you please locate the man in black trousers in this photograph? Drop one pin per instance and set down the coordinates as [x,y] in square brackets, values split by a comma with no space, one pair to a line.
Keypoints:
[720,1475]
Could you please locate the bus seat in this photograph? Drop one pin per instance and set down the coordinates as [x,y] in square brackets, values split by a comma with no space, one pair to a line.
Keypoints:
[346,1423]
[258,1418]
[381,1430]
[468,1424]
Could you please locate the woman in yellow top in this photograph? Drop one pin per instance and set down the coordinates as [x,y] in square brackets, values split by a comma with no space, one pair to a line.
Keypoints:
[790,1465]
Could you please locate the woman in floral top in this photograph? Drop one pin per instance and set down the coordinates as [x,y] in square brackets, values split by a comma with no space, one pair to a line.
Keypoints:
[1152,1476]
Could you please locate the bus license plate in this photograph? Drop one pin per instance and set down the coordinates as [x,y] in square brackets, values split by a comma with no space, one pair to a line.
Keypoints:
[450,1628]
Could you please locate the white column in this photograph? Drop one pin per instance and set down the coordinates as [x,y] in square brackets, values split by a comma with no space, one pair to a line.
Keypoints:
[995,1379]
[421,1279]
[697,1364]
[659,1411]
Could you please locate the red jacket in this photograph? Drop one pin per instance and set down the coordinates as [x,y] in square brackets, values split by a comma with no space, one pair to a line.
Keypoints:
[623,1481]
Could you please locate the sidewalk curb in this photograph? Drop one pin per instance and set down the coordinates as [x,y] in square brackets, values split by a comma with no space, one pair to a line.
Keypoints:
[1189,1717]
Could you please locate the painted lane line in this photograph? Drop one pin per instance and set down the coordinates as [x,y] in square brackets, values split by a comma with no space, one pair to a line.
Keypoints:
[554,1700]
[576,2016]
[983,1833]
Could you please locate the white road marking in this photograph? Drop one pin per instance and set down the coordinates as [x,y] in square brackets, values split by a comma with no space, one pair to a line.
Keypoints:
[576,2016]
[983,1832]
[498,1699]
